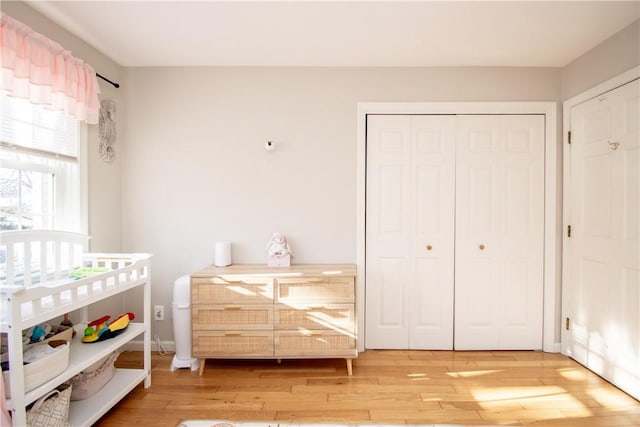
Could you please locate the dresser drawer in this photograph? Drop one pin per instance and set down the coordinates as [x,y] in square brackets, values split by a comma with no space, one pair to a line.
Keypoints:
[340,317]
[321,289]
[306,343]
[232,344]
[216,290]
[222,317]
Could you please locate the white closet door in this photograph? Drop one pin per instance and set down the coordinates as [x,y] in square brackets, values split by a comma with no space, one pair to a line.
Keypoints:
[499,232]
[603,290]
[409,237]
[432,237]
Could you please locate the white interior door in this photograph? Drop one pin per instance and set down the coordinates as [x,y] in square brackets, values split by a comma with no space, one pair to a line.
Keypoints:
[603,287]
[409,231]
[499,232]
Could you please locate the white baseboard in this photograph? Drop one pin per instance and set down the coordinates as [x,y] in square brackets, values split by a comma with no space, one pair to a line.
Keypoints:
[170,346]
[138,345]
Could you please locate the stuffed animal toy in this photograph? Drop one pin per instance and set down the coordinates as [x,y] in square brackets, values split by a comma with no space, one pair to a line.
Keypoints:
[278,245]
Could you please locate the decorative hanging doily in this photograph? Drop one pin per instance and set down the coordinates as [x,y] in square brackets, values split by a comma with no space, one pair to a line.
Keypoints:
[107,130]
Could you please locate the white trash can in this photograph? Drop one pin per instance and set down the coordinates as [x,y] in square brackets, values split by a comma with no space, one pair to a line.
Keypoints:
[182,325]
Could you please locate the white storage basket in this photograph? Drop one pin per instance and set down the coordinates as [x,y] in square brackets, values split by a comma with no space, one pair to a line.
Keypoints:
[42,370]
[91,380]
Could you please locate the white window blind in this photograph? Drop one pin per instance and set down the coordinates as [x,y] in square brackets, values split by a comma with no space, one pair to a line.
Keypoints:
[33,127]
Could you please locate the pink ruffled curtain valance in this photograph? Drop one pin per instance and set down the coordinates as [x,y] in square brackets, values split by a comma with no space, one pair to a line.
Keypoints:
[36,68]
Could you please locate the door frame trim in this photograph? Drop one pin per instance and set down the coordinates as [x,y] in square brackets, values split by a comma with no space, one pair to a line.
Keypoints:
[604,87]
[552,214]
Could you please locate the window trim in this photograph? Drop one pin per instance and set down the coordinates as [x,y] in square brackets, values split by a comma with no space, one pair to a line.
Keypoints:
[37,152]
[83,177]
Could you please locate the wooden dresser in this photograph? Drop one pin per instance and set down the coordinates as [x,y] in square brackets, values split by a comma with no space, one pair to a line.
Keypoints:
[254,311]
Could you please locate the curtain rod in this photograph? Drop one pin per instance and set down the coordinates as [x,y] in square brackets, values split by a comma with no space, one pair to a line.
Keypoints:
[116,85]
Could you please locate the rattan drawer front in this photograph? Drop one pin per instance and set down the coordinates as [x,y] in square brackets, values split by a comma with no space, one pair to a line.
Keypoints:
[321,289]
[307,343]
[232,344]
[339,317]
[242,317]
[217,291]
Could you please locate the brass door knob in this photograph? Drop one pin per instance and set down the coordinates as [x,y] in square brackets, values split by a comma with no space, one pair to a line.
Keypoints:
[481,247]
[429,247]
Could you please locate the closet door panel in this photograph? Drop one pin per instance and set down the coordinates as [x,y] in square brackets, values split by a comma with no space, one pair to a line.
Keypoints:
[476,261]
[499,232]
[409,237]
[478,314]
[391,300]
[431,309]
[388,238]
[428,294]
[427,194]
[480,195]
[429,279]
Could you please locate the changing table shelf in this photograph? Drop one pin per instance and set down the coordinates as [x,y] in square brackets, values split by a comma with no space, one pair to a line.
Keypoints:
[99,404]
[82,355]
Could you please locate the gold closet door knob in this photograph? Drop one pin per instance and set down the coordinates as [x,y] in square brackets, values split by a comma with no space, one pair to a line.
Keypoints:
[429,247]
[481,247]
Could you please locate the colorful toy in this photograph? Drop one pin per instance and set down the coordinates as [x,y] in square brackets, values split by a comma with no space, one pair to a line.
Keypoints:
[100,329]
[39,332]
[99,324]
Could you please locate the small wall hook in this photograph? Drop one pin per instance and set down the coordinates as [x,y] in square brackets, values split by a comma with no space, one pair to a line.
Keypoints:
[613,145]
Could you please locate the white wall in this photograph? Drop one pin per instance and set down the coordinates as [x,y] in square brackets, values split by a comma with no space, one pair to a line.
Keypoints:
[196,171]
[614,56]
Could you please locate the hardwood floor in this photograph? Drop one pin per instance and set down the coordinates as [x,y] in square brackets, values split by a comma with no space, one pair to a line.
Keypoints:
[412,387]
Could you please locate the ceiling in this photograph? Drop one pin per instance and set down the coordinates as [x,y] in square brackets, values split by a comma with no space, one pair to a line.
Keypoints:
[342,33]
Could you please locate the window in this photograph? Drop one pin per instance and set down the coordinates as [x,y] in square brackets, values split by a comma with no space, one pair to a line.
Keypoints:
[41,185]
[27,197]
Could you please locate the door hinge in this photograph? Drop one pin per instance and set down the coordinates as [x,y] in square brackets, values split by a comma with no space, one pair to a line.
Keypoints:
[567,323]
[569,137]
[568,231]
